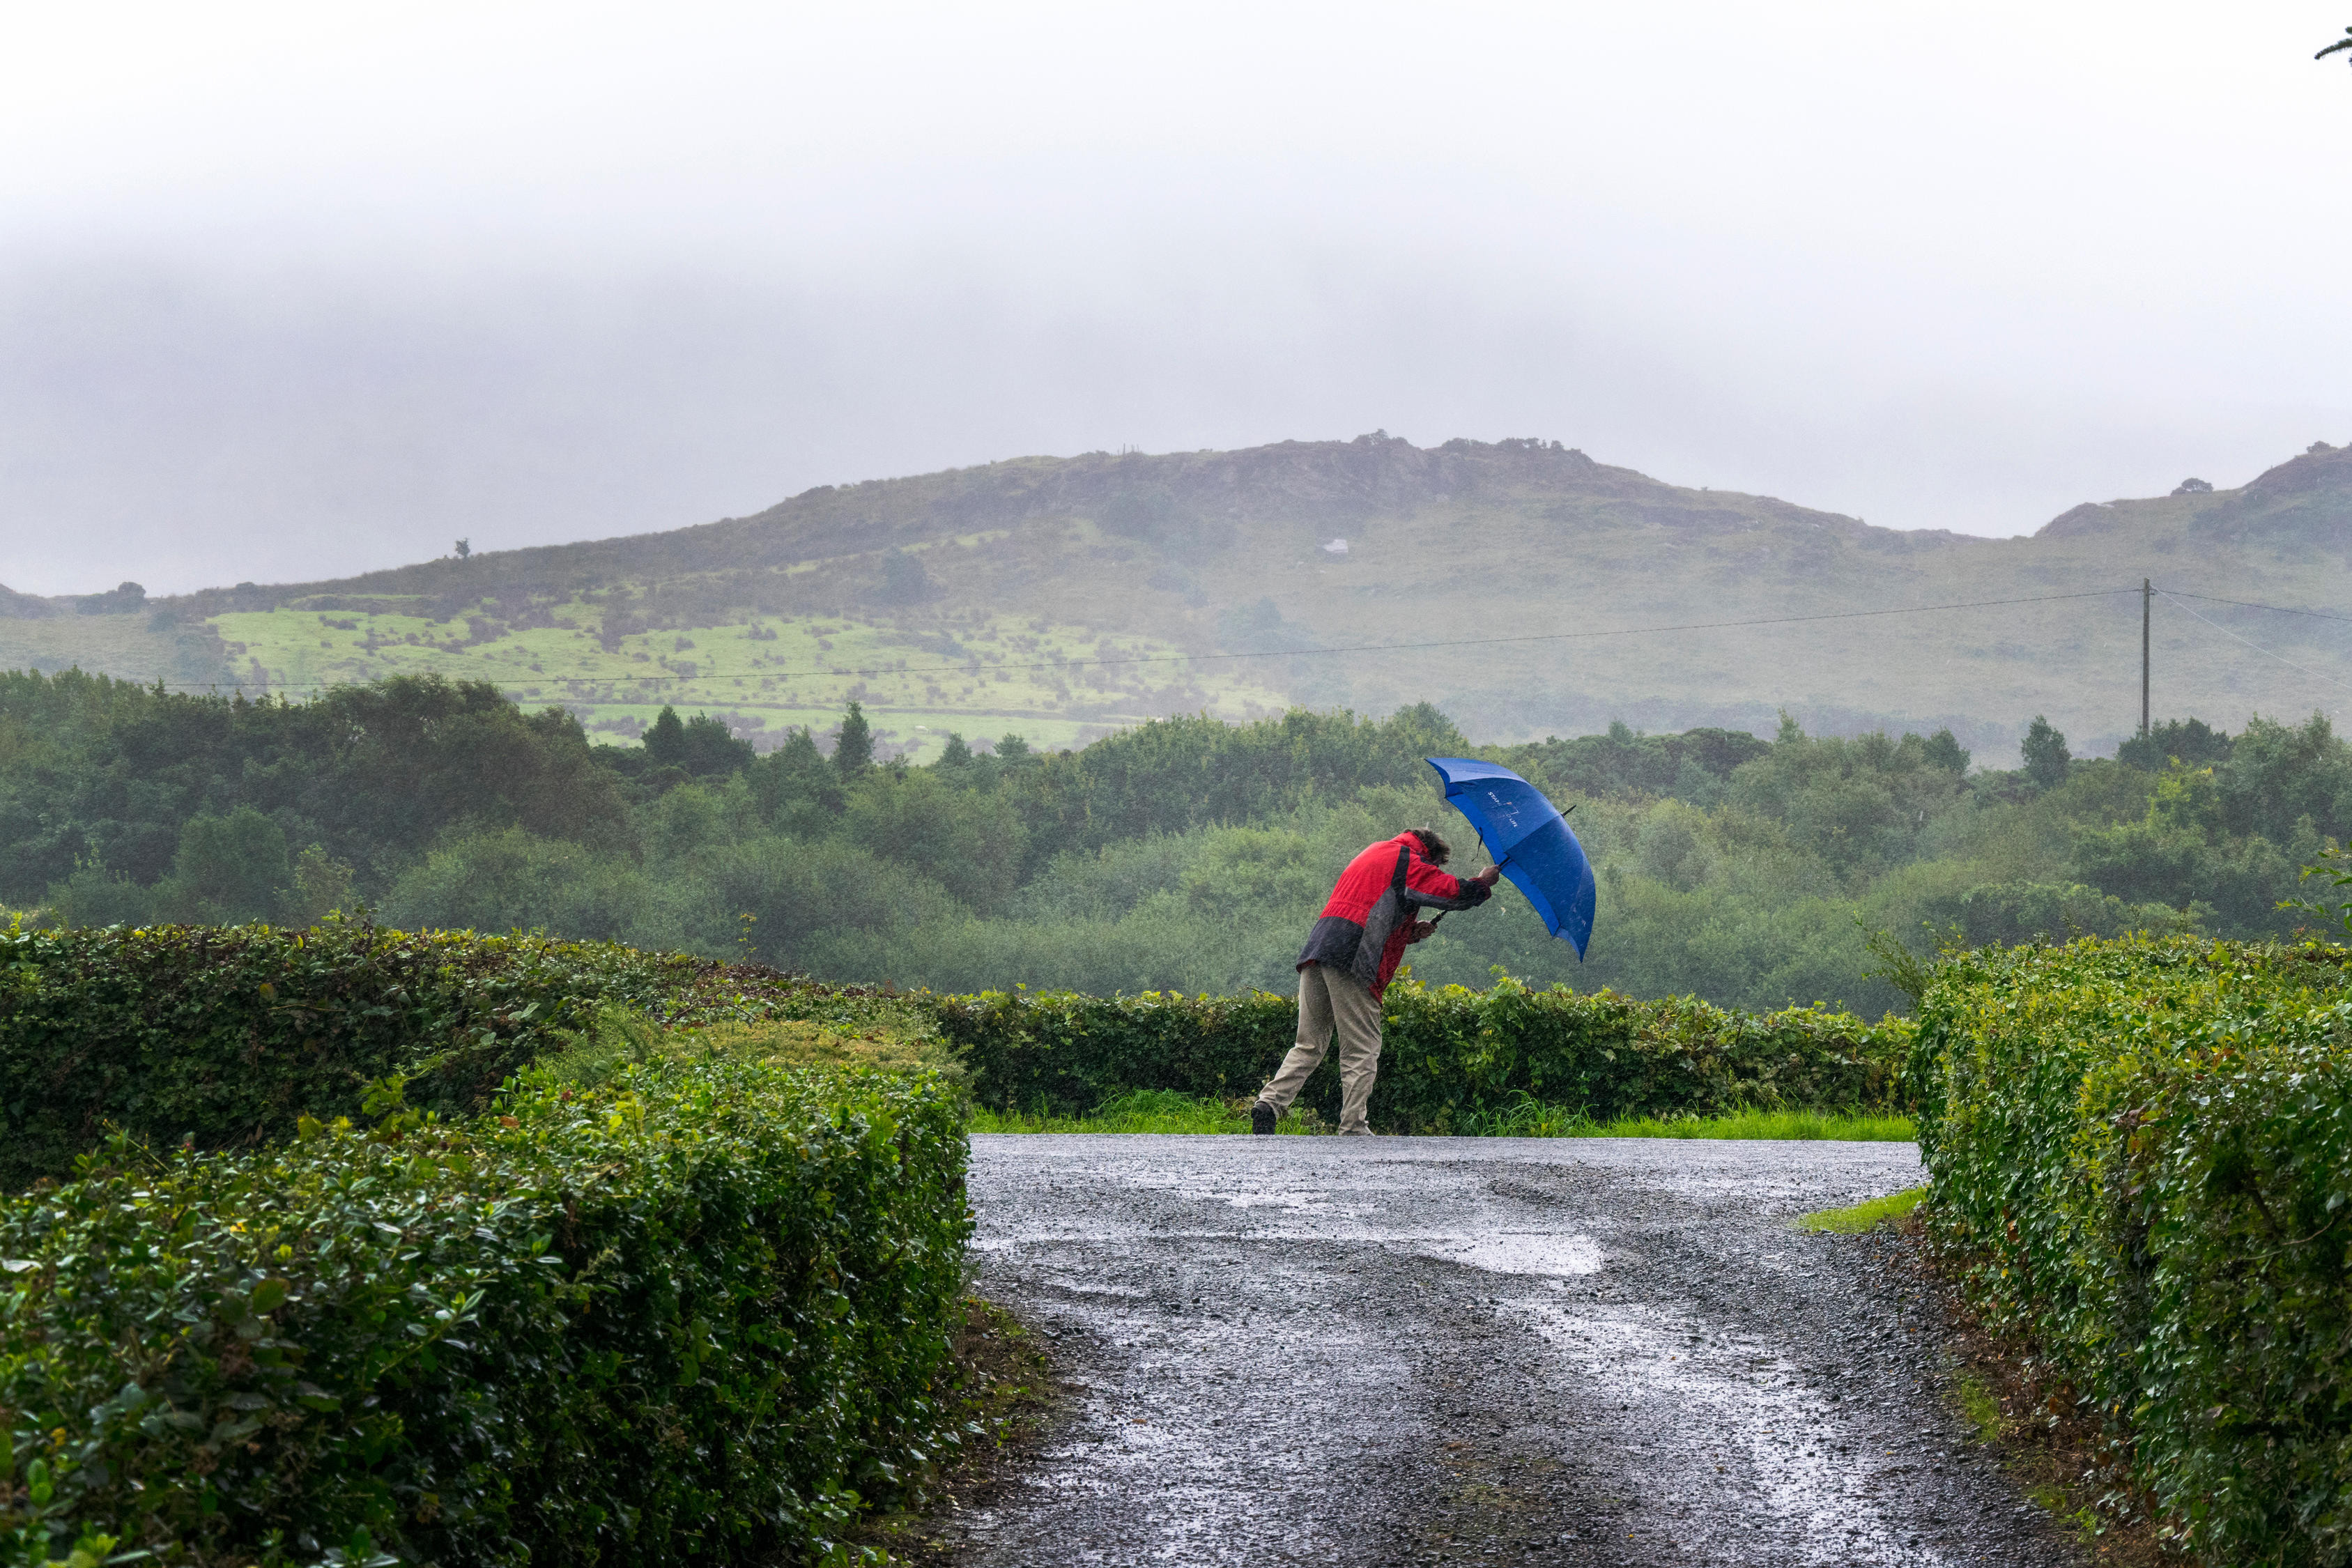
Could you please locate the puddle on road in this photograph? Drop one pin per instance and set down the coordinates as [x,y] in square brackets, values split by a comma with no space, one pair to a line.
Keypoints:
[1191,1184]
[1292,1202]
[1729,1395]
[1537,1254]
[1361,1220]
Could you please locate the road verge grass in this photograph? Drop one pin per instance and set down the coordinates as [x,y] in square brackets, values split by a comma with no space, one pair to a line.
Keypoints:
[1847,1127]
[1166,1110]
[1862,1217]
[1145,1111]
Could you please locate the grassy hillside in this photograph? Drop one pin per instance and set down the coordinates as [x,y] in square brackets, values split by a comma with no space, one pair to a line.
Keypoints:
[140,646]
[985,600]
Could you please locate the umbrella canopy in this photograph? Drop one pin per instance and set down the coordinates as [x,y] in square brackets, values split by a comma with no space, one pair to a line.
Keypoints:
[1528,839]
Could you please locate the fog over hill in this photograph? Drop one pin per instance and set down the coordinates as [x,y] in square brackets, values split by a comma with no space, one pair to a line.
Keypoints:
[1518,585]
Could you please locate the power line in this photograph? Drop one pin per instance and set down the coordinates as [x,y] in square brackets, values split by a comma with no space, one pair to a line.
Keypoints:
[973,666]
[2319,674]
[2250,605]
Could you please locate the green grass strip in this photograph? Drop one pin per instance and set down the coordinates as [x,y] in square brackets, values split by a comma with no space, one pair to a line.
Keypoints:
[1790,1125]
[1166,1110]
[1863,1215]
[1141,1111]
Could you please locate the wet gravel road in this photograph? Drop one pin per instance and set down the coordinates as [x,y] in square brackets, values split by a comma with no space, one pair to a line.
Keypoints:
[1399,1351]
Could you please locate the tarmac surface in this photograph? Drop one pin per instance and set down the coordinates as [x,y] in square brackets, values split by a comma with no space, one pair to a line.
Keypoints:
[1406,1351]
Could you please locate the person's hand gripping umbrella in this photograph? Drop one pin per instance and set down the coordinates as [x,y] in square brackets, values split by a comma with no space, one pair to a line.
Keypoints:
[1528,839]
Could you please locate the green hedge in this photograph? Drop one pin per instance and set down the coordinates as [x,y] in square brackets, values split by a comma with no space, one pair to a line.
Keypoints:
[1449,1054]
[224,1034]
[2141,1154]
[227,1032]
[677,1318]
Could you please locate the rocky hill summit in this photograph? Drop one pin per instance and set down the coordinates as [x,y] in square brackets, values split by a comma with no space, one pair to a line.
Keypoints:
[2304,501]
[1210,498]
[1197,505]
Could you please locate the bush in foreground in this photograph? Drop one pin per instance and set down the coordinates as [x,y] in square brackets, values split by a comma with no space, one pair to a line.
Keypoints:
[223,1035]
[2142,1160]
[681,1314]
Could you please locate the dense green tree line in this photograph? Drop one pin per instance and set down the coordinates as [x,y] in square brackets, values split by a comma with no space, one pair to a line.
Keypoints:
[111,789]
[1186,854]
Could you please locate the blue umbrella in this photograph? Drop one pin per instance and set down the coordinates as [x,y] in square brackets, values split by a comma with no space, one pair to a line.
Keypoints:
[1528,839]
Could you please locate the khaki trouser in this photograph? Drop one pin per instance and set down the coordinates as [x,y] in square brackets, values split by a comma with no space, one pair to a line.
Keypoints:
[1332,999]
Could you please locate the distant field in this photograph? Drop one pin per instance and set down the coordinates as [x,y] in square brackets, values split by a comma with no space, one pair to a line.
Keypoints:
[977,674]
[126,646]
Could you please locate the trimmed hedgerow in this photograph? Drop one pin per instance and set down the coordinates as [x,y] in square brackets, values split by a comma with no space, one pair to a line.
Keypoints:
[682,1316]
[2141,1154]
[225,1033]
[1449,1055]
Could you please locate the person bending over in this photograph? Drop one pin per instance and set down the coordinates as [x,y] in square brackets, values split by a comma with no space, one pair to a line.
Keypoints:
[1349,957]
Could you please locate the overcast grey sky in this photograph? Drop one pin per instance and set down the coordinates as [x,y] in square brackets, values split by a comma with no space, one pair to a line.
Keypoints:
[288,291]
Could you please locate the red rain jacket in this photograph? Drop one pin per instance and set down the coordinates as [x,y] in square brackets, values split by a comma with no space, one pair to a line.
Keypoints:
[1370,915]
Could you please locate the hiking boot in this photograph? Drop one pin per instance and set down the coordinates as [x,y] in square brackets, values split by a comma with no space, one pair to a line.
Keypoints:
[1263,1118]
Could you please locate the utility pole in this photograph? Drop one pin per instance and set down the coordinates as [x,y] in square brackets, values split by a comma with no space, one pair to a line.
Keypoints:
[2146,595]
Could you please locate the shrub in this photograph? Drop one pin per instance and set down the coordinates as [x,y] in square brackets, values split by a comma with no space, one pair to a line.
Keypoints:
[1450,1055]
[226,1034]
[494,881]
[683,1316]
[2141,1154]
